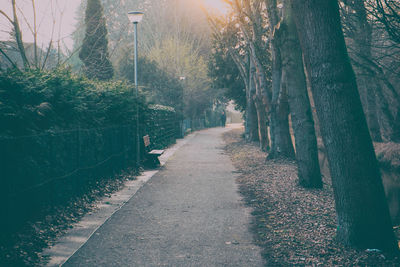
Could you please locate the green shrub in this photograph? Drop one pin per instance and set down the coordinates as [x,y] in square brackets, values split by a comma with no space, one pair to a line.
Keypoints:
[60,133]
[35,101]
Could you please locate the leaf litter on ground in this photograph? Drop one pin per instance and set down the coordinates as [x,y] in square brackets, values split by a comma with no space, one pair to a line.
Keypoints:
[293,225]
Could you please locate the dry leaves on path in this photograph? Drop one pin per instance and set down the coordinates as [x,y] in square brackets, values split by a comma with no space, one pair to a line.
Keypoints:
[295,226]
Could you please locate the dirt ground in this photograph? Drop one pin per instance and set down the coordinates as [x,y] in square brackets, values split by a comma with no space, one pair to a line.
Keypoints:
[295,226]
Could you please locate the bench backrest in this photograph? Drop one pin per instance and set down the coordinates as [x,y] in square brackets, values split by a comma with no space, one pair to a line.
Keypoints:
[146,140]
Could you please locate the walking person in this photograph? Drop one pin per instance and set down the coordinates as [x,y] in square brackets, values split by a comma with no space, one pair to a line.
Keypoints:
[223,118]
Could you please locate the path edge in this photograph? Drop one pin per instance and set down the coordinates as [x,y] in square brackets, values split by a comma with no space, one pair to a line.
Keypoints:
[67,245]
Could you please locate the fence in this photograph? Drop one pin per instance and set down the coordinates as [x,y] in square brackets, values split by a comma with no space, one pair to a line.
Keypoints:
[50,169]
[210,119]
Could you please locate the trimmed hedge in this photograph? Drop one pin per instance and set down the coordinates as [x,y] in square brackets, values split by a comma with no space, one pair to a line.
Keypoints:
[35,101]
[60,133]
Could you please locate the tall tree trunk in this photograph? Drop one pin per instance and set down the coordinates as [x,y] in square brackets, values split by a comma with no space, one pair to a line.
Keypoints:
[251,109]
[300,109]
[388,122]
[281,142]
[362,211]
[260,108]
[251,121]
[367,84]
[257,71]
[371,110]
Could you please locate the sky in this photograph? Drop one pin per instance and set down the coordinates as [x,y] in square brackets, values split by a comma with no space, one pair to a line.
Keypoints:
[63,12]
[60,15]
[217,6]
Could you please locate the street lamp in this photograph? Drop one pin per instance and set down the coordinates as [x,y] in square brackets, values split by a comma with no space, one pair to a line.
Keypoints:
[135,17]
[181,121]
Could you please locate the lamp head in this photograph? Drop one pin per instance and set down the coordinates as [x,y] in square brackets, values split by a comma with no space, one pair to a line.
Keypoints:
[135,16]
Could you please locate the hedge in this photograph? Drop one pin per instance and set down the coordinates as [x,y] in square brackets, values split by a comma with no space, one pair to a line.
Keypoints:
[60,133]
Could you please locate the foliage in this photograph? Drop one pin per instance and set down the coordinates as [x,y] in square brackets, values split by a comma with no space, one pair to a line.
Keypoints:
[36,101]
[94,51]
[173,35]
[225,76]
[60,133]
[178,59]
[159,86]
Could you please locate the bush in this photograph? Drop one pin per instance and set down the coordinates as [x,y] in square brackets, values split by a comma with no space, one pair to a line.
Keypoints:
[36,101]
[61,133]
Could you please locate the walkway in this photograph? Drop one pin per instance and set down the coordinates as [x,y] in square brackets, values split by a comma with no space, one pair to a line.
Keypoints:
[188,214]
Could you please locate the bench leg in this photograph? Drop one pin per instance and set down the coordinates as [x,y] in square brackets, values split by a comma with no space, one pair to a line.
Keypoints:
[155,161]
[152,161]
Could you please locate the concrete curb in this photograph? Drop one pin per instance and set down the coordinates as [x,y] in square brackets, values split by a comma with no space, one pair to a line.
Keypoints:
[76,237]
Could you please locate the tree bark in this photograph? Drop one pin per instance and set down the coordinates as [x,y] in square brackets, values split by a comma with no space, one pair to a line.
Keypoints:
[300,109]
[388,122]
[281,142]
[252,118]
[260,108]
[256,70]
[362,42]
[362,211]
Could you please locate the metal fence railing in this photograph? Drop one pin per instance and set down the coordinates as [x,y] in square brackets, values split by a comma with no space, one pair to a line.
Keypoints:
[211,120]
[50,169]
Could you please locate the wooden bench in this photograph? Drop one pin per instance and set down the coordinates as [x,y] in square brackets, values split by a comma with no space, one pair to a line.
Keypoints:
[151,156]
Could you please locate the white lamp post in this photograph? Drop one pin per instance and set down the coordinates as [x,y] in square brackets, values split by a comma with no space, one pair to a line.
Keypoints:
[135,17]
[182,134]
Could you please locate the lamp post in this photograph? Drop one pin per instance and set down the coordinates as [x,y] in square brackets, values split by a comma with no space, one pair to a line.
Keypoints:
[135,17]
[182,131]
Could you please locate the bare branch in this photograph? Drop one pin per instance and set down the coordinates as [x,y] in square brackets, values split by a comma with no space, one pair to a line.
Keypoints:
[7,17]
[9,59]
[18,35]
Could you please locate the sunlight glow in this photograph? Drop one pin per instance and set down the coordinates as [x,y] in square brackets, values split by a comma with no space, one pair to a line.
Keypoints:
[216,6]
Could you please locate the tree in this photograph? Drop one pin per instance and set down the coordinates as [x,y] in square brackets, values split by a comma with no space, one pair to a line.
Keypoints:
[362,212]
[228,35]
[179,58]
[388,13]
[362,36]
[250,20]
[281,142]
[294,80]
[159,86]
[38,55]
[225,75]
[94,51]
[373,56]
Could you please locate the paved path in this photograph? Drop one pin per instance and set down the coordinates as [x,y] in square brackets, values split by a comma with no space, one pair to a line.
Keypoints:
[188,214]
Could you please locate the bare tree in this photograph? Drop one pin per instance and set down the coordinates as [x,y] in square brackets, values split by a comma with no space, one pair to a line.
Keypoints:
[294,80]
[362,211]
[31,55]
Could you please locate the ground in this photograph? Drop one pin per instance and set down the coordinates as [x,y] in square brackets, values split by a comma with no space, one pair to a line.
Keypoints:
[295,226]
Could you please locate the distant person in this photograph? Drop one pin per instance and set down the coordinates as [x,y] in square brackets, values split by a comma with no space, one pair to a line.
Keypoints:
[223,118]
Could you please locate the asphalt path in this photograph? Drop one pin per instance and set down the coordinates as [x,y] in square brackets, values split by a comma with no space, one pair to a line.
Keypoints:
[189,214]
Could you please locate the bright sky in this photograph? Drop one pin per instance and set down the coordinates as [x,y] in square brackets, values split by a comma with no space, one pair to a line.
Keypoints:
[62,12]
[60,15]
[216,6]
